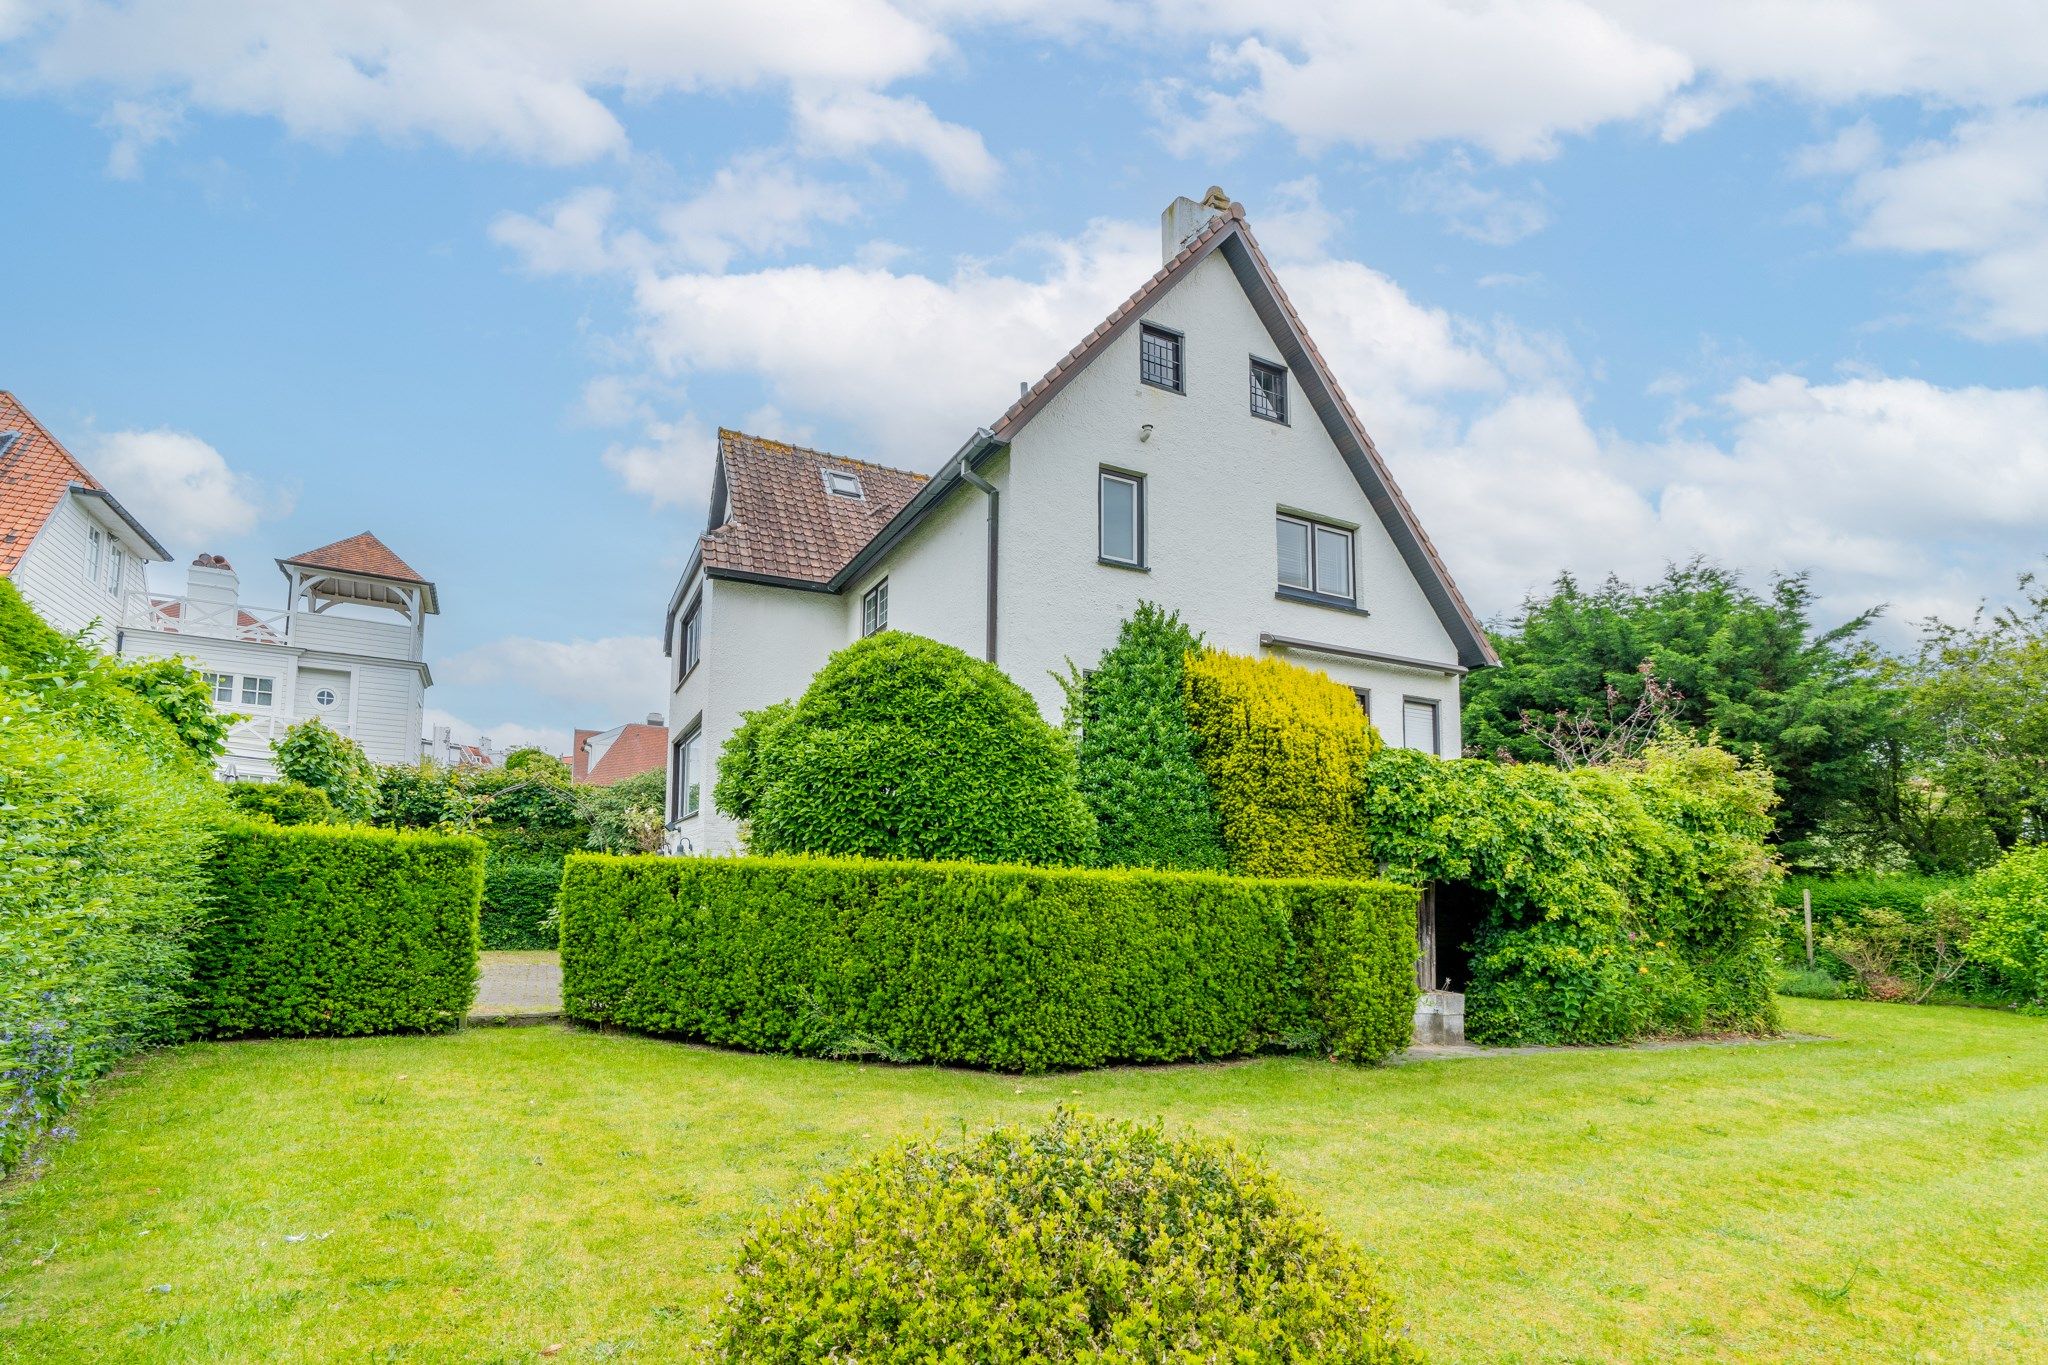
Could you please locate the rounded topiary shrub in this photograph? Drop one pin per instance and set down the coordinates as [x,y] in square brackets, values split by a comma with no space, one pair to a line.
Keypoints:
[906,748]
[1079,1241]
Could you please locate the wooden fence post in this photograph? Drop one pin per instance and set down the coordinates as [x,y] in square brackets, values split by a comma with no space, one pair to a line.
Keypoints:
[1806,901]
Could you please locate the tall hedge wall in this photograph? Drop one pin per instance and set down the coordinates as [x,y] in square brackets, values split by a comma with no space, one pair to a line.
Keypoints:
[1284,749]
[328,931]
[1018,969]
[519,897]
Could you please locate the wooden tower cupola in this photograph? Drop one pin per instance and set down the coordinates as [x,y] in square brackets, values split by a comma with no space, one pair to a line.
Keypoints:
[359,571]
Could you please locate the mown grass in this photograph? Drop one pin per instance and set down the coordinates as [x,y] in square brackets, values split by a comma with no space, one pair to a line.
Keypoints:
[496,1194]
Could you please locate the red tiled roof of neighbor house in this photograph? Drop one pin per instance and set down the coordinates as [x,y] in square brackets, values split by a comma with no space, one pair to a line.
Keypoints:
[35,474]
[359,554]
[639,748]
[784,523]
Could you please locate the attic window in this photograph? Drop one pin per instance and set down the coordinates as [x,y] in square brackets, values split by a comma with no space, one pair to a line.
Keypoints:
[7,440]
[841,484]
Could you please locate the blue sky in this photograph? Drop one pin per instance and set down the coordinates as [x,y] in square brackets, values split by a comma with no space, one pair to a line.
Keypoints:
[1611,284]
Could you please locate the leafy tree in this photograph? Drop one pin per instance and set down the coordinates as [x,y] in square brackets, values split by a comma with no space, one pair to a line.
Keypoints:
[740,772]
[1137,750]
[625,817]
[538,765]
[903,747]
[424,795]
[311,753]
[283,803]
[178,694]
[1750,668]
[523,815]
[1978,713]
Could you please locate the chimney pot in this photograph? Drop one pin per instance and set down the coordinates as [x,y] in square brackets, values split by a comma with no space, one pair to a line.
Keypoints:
[1184,218]
[655,718]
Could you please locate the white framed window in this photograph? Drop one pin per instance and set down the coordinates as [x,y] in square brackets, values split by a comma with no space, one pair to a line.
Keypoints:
[117,561]
[256,691]
[222,685]
[95,550]
[1315,557]
[842,483]
[1269,391]
[686,767]
[1120,518]
[324,697]
[1419,728]
[1159,362]
[874,609]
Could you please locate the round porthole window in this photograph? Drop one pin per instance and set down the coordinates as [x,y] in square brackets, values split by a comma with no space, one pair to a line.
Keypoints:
[325,696]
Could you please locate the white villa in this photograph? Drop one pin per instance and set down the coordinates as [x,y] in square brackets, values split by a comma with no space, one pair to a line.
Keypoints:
[72,551]
[1193,450]
[348,647]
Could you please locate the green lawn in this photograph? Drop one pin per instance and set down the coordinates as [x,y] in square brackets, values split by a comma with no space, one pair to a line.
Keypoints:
[492,1195]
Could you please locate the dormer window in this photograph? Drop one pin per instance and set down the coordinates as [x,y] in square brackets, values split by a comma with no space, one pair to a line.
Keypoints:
[840,484]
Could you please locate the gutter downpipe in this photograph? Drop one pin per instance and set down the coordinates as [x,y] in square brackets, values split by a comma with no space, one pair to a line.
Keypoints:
[995,505]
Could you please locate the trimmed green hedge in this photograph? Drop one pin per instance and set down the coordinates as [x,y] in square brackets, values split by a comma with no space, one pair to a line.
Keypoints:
[1842,904]
[519,899]
[1014,968]
[329,931]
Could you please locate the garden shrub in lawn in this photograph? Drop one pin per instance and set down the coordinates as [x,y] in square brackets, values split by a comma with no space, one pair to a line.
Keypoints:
[903,747]
[1015,968]
[106,812]
[328,931]
[1284,749]
[1625,900]
[1081,1240]
[311,754]
[2007,906]
[519,903]
[283,803]
[1137,751]
[101,847]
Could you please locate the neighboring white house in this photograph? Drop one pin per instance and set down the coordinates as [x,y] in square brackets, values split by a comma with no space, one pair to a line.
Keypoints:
[71,549]
[1193,451]
[348,647]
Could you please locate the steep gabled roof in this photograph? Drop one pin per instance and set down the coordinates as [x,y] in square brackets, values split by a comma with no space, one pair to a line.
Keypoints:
[628,751]
[783,524]
[1229,233]
[361,553]
[36,472]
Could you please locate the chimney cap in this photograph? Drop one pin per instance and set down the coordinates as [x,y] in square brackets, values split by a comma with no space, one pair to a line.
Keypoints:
[656,718]
[212,562]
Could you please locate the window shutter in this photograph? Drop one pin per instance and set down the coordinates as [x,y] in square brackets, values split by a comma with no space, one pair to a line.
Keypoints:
[1418,726]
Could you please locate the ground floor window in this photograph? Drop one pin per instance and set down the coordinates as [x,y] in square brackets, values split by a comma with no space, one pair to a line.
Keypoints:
[1419,729]
[687,773]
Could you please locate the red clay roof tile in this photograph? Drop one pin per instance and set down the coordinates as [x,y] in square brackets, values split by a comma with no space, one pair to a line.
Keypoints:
[359,554]
[35,473]
[783,524]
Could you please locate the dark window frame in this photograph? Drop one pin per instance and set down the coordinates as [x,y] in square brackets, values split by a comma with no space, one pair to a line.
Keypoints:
[689,645]
[874,609]
[679,773]
[1103,474]
[1179,344]
[1314,591]
[1364,695]
[1436,724]
[1277,398]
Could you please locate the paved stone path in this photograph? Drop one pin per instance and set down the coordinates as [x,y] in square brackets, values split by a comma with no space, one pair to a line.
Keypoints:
[518,988]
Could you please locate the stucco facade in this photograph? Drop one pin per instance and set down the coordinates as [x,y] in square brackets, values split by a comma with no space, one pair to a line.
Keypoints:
[1215,477]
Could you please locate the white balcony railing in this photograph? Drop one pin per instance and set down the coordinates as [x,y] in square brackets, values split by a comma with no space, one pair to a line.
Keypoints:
[216,620]
[253,734]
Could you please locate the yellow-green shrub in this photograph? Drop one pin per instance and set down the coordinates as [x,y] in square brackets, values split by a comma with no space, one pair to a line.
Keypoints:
[1284,749]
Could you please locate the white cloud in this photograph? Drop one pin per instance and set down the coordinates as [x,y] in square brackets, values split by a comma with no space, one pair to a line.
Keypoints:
[180,487]
[1472,210]
[136,126]
[525,79]
[850,122]
[756,205]
[1980,197]
[604,680]
[670,466]
[1513,77]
